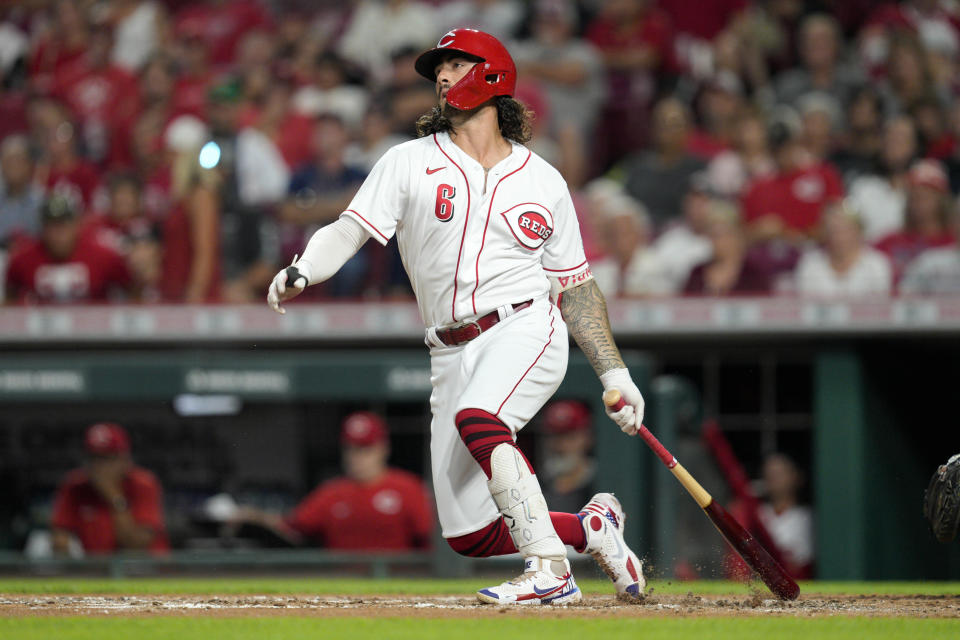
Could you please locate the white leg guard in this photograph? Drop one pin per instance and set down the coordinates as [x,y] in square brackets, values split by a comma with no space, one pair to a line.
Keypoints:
[517,493]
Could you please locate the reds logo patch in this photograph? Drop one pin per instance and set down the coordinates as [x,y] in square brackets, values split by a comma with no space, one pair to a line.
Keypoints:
[530,223]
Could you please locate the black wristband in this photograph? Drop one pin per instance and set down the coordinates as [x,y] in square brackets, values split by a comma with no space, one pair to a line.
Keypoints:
[293,274]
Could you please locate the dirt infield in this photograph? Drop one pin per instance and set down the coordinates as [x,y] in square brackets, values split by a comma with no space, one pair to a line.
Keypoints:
[459,606]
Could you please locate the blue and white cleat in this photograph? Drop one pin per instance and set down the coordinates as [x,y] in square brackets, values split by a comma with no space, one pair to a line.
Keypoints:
[543,581]
[603,521]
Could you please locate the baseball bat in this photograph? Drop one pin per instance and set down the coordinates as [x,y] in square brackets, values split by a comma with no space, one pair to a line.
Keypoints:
[758,559]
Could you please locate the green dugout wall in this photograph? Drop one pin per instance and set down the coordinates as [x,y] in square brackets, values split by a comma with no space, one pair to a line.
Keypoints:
[882,412]
[267,376]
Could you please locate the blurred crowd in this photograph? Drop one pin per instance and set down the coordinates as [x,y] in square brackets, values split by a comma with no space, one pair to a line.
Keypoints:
[173,151]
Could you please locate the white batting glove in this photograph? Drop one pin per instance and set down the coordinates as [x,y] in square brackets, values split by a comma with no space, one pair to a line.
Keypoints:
[287,284]
[630,417]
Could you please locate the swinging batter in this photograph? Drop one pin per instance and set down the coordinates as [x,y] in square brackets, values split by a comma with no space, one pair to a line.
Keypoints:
[490,240]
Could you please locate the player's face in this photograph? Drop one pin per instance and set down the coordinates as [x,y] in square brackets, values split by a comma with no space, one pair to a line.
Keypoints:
[364,464]
[450,72]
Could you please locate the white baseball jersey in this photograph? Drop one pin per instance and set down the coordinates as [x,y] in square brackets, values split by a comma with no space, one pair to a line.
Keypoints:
[471,240]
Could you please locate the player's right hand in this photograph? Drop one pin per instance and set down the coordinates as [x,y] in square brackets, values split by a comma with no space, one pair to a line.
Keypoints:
[630,417]
[287,284]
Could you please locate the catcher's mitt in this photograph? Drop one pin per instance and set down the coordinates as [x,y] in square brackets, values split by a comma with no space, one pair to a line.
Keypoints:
[941,500]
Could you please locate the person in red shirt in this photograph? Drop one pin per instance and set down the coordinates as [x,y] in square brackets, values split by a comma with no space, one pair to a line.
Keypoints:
[110,504]
[104,99]
[63,267]
[62,168]
[371,507]
[928,220]
[786,206]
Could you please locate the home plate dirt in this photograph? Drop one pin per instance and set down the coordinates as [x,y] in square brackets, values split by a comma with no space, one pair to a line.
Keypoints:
[809,605]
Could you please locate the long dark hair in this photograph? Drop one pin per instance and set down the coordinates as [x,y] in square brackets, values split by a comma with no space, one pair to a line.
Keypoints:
[513,118]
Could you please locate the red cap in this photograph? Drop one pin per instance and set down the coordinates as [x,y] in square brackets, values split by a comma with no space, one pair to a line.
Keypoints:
[362,429]
[928,173]
[106,439]
[566,416]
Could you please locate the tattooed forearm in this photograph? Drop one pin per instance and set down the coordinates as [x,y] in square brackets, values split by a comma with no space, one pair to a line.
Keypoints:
[585,311]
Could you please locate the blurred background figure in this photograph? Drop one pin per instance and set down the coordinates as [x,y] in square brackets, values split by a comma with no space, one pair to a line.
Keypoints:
[658,177]
[929,216]
[628,266]
[845,265]
[20,196]
[568,467]
[730,270]
[371,507]
[787,522]
[110,504]
[934,271]
[685,244]
[63,266]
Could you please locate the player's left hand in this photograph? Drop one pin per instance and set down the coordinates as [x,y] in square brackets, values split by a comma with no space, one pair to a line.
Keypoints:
[287,284]
[630,417]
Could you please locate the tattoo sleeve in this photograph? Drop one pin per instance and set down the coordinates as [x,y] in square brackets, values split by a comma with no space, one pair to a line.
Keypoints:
[585,311]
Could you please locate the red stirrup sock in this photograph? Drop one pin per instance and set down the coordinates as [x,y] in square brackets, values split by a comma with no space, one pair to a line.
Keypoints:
[494,539]
[482,431]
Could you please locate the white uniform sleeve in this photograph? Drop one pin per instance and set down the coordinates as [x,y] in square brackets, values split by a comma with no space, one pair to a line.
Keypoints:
[329,249]
[563,251]
[382,197]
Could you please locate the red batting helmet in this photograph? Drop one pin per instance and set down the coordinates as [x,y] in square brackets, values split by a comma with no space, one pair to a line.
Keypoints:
[494,75]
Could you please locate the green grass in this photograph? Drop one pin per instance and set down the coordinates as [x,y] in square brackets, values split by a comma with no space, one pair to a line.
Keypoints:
[356,586]
[482,629]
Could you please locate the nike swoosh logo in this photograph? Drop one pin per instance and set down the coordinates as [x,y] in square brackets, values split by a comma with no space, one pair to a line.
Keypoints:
[547,592]
[433,171]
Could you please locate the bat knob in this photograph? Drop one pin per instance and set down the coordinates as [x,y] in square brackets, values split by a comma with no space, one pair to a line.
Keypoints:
[614,400]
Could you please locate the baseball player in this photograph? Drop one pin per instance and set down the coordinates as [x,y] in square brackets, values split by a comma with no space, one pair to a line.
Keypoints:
[490,240]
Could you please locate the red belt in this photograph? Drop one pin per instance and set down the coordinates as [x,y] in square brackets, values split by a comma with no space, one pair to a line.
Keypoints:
[467,331]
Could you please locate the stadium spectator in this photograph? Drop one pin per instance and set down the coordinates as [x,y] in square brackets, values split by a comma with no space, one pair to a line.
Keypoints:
[20,196]
[125,228]
[719,105]
[568,468]
[909,79]
[846,265]
[684,245]
[221,25]
[730,270]
[67,172]
[788,523]
[786,206]
[636,41]
[658,177]
[104,100]
[191,231]
[61,41]
[249,242]
[821,70]
[881,194]
[697,30]
[110,504]
[929,217]
[378,29]
[375,137]
[820,121]
[194,77]
[859,145]
[63,267]
[327,92]
[569,72]
[500,18]
[318,193]
[933,272]
[731,171]
[628,266]
[139,27]
[373,507]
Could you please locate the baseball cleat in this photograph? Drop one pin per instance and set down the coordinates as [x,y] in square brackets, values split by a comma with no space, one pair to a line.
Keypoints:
[603,521]
[543,581]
